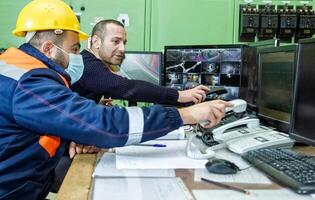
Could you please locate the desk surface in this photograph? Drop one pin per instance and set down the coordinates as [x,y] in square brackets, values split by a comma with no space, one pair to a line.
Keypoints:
[77,182]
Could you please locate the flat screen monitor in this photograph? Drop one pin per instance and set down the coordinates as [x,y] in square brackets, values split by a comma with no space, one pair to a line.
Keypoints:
[142,65]
[186,67]
[303,116]
[249,75]
[275,86]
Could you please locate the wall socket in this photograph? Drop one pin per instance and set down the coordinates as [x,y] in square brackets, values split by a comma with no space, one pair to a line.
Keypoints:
[124,19]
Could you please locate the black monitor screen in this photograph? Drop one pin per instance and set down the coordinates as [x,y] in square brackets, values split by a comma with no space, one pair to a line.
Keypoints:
[249,72]
[275,93]
[144,66]
[186,67]
[303,117]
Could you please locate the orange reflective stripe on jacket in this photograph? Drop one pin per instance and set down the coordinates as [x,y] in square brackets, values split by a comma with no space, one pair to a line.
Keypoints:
[18,58]
[50,144]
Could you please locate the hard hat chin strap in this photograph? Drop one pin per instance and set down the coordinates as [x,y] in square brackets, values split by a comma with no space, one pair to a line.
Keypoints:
[29,35]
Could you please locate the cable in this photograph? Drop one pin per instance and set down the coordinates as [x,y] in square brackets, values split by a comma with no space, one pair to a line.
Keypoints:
[197,154]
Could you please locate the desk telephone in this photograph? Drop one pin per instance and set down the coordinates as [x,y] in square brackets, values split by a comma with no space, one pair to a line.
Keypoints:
[232,134]
[268,139]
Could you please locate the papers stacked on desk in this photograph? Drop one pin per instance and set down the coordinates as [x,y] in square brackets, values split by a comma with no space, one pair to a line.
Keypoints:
[173,156]
[140,189]
[107,168]
[145,173]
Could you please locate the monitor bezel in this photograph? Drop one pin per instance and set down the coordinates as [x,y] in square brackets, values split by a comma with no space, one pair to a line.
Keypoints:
[279,125]
[249,76]
[292,134]
[161,77]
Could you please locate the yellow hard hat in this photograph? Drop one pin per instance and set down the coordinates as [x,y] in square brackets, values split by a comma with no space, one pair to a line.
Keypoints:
[47,15]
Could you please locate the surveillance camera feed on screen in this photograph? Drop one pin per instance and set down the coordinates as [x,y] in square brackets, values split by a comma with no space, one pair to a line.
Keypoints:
[186,68]
[142,66]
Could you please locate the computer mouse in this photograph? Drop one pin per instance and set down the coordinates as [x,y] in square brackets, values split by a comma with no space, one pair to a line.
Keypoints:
[221,166]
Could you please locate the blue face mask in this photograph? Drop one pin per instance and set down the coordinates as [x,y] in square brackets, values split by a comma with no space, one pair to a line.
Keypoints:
[75,67]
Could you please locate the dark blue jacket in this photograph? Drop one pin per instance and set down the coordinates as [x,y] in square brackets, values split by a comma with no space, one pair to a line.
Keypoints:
[38,112]
[97,80]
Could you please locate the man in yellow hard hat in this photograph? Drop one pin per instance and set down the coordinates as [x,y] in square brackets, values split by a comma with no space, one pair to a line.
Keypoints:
[39,112]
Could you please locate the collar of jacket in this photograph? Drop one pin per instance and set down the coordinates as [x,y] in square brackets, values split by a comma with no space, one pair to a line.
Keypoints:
[32,51]
[91,54]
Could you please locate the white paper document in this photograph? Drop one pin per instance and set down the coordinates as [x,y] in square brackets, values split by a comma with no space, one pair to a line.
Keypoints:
[284,194]
[140,189]
[173,156]
[107,168]
[251,175]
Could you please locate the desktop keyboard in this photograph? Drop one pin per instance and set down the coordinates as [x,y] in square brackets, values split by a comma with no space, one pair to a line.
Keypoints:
[293,169]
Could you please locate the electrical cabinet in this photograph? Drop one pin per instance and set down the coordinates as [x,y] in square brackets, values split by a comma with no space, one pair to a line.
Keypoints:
[287,20]
[249,22]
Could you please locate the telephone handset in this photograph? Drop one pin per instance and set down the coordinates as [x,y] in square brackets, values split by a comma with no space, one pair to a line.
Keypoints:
[218,141]
[239,106]
[249,122]
[228,118]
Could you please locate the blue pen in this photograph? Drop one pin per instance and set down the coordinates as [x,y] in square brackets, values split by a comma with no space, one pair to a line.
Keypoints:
[151,145]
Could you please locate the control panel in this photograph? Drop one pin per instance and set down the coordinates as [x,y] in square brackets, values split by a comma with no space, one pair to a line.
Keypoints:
[287,21]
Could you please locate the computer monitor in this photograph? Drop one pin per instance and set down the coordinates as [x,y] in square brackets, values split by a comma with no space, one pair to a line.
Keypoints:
[249,75]
[276,74]
[303,115]
[186,67]
[142,65]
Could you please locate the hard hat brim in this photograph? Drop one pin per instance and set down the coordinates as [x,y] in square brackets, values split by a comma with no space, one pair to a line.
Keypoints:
[82,35]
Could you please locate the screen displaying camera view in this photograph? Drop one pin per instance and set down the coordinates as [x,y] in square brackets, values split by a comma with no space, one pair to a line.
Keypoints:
[189,67]
[142,66]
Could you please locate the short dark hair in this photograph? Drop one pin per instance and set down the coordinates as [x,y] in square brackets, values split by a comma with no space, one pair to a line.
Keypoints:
[100,28]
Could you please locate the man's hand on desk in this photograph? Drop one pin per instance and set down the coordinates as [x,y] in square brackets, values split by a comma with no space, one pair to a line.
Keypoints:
[78,149]
[210,111]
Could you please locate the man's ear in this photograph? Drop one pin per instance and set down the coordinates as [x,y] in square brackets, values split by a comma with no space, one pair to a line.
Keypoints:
[96,42]
[47,48]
